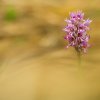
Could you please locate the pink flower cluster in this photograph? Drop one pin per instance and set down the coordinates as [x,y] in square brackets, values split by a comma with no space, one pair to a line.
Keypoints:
[76,31]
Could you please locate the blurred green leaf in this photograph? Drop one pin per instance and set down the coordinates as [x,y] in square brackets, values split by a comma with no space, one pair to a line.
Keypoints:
[10,14]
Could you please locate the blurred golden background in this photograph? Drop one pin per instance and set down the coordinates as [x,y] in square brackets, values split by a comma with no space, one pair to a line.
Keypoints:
[34,64]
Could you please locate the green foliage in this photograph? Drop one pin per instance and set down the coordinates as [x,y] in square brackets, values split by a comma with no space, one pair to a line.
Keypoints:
[10,14]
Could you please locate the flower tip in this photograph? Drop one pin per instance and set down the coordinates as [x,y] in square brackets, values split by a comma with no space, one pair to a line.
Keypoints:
[67,47]
[65,20]
[90,21]
[64,29]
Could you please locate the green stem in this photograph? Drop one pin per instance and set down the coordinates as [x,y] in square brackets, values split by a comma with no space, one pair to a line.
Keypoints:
[79,56]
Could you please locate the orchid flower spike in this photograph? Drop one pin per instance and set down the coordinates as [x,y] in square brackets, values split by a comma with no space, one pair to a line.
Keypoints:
[76,31]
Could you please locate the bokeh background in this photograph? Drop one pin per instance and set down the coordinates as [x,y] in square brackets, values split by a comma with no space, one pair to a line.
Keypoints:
[34,64]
